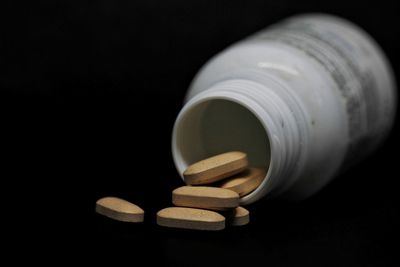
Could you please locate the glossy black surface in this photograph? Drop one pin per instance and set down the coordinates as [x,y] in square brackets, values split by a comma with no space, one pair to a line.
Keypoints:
[87,86]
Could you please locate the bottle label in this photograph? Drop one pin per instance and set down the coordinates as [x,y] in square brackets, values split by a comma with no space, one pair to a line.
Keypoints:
[356,81]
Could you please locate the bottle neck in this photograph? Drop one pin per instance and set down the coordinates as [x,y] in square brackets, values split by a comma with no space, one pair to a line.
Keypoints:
[248,116]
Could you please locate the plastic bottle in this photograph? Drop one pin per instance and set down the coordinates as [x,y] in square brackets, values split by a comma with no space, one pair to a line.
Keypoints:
[304,98]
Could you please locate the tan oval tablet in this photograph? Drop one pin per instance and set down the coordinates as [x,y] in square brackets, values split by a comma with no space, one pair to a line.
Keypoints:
[240,217]
[245,182]
[189,218]
[119,209]
[205,197]
[215,168]
[236,217]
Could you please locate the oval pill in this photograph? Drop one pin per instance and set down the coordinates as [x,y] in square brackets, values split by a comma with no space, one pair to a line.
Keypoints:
[245,182]
[205,197]
[189,218]
[119,209]
[215,168]
[240,217]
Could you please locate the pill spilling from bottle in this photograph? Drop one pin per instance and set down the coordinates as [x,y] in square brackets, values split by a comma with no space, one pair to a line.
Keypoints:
[119,209]
[305,99]
[209,201]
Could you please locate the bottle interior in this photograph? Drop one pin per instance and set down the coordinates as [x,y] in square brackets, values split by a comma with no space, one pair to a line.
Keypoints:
[216,126]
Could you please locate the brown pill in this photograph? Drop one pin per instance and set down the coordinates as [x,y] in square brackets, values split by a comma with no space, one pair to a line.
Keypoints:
[236,217]
[189,218]
[205,197]
[215,168]
[119,209]
[244,182]
[241,216]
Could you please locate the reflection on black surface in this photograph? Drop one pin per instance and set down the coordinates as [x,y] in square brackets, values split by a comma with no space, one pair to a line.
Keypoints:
[326,230]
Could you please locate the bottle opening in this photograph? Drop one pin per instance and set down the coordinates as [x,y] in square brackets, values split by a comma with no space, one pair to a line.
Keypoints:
[215,126]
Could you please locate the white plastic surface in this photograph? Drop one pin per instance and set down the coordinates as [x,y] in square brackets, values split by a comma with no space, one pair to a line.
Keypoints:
[303,98]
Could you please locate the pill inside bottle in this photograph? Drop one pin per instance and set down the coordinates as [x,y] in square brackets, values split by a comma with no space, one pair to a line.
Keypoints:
[295,99]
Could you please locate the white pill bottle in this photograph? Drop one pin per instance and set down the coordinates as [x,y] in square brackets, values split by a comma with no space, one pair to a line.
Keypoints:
[304,98]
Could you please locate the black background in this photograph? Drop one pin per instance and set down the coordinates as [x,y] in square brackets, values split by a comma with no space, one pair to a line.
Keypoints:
[86,87]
